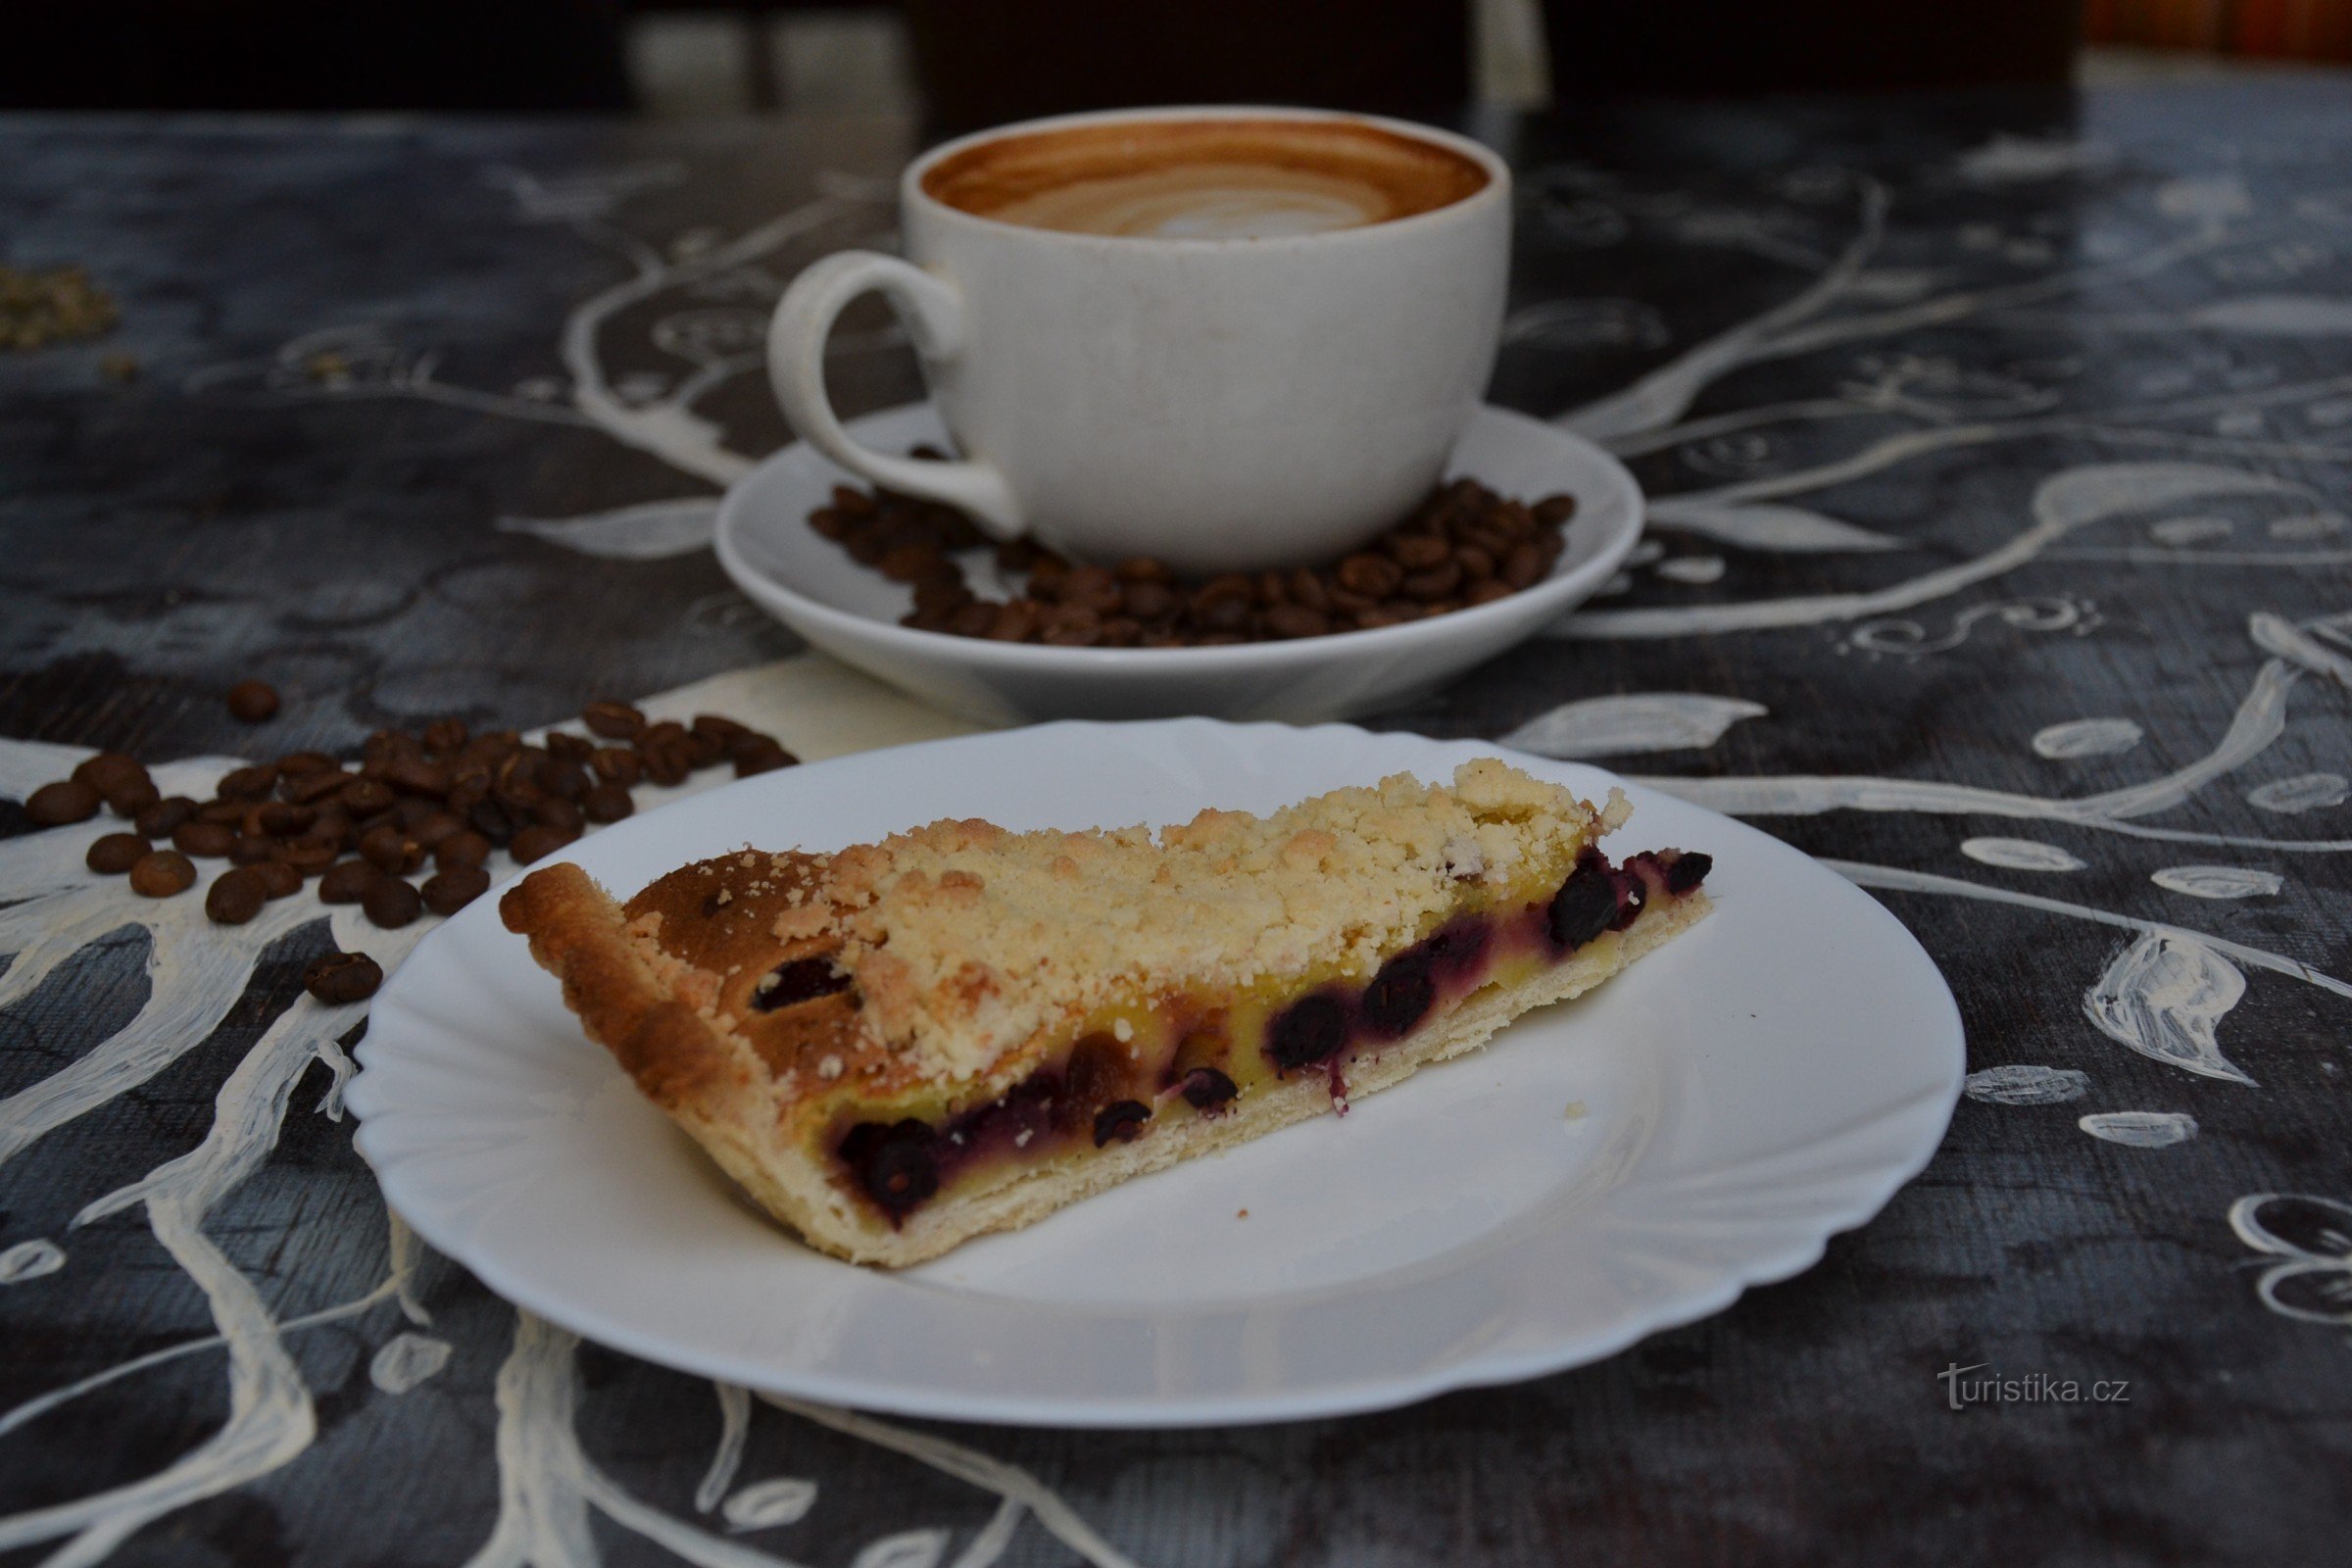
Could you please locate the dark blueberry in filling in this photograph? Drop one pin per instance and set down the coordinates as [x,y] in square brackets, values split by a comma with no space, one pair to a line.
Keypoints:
[895,1164]
[1457,947]
[1687,870]
[1399,996]
[801,980]
[1585,904]
[1205,1088]
[1311,1029]
[1121,1121]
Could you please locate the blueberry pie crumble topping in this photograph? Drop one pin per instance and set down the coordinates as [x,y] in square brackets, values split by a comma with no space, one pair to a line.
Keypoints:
[898,1045]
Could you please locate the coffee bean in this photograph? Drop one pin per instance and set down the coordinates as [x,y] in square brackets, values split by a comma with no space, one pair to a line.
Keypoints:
[1145,568]
[114,854]
[1417,552]
[347,882]
[280,818]
[908,562]
[761,753]
[617,764]
[309,788]
[67,801]
[339,979]
[248,848]
[1373,576]
[162,819]
[1486,592]
[447,892]
[536,842]
[418,775]
[1296,620]
[608,802]
[467,848]
[444,736]
[1436,582]
[106,770]
[832,524]
[279,878]
[666,763]
[1071,626]
[1121,631]
[365,797]
[235,897]
[1270,588]
[558,813]
[310,855]
[255,701]
[1223,613]
[391,851]
[1554,511]
[1151,602]
[974,620]
[613,720]
[205,839]
[133,796]
[565,747]
[492,821]
[1523,566]
[1091,588]
[1306,590]
[160,873]
[390,903]
[247,783]
[1015,621]
[301,764]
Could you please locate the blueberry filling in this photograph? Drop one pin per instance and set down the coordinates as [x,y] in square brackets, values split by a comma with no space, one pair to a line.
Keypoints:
[1687,871]
[801,980]
[1205,1089]
[1122,1121]
[1401,993]
[1456,948]
[895,1164]
[1585,904]
[1310,1030]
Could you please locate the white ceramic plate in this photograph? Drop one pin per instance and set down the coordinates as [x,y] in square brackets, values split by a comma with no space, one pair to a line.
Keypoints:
[1603,1169]
[852,613]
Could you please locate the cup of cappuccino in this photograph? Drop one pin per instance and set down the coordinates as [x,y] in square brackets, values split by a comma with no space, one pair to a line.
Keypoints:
[1231,339]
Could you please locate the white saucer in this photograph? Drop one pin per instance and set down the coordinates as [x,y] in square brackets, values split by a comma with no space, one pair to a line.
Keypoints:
[1603,1169]
[809,584]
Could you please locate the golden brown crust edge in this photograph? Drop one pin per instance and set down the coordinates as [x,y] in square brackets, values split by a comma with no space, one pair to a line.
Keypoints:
[710,1083]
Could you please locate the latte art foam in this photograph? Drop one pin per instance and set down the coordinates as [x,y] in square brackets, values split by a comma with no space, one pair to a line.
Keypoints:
[1203,201]
[1204,180]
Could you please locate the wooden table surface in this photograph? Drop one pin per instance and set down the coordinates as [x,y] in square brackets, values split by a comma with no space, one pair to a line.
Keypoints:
[1998,555]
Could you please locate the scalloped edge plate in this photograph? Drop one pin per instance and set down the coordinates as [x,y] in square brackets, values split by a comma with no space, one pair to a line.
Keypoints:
[1604,1169]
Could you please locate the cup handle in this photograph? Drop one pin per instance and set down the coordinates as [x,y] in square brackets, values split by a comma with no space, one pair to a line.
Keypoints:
[933,314]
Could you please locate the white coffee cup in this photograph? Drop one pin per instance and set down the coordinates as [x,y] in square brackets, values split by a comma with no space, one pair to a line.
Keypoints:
[1223,404]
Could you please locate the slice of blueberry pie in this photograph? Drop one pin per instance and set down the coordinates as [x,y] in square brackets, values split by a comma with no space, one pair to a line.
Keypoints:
[958,1030]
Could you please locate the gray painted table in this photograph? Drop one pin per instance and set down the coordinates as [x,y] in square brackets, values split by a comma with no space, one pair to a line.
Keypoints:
[1999,555]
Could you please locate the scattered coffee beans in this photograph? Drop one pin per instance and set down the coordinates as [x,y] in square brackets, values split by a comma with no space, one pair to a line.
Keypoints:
[160,873]
[237,896]
[339,978]
[67,801]
[1463,546]
[115,853]
[448,891]
[390,903]
[444,796]
[255,701]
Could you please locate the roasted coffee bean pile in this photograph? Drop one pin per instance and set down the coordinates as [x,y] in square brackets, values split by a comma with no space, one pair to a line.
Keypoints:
[1465,545]
[432,805]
